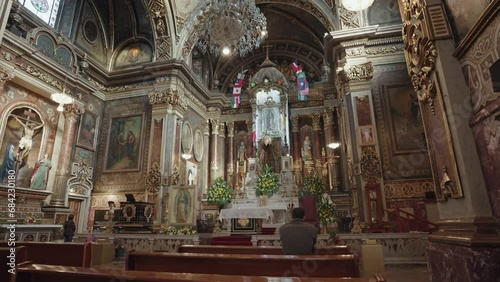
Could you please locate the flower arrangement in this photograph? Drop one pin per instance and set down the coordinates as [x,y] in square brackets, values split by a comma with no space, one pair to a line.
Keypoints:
[173,230]
[312,186]
[267,182]
[327,212]
[219,193]
[29,220]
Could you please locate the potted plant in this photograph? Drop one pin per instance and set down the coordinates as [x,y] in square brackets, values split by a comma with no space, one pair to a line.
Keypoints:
[267,183]
[119,248]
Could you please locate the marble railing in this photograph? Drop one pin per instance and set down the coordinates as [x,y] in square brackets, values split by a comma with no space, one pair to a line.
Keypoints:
[145,242]
[397,247]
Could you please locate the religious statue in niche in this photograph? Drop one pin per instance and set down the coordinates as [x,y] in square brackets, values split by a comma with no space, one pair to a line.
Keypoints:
[241,152]
[25,144]
[8,164]
[306,149]
[266,152]
[40,174]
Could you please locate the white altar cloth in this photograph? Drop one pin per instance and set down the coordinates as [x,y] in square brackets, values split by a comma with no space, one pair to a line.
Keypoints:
[264,213]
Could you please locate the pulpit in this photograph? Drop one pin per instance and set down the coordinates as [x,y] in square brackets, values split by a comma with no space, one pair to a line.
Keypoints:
[135,217]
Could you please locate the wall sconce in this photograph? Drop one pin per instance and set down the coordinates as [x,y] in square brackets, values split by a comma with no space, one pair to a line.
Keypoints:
[61,99]
[186,156]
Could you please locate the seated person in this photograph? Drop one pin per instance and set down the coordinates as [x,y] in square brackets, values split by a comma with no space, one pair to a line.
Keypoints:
[298,237]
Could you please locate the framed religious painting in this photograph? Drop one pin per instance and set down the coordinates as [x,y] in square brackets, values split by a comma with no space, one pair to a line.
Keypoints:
[124,147]
[182,206]
[366,135]
[87,132]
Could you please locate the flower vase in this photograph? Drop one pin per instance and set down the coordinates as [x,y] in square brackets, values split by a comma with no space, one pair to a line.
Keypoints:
[323,229]
[120,252]
[263,201]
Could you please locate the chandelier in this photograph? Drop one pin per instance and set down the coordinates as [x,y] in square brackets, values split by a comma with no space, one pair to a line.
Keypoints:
[356,5]
[61,99]
[231,27]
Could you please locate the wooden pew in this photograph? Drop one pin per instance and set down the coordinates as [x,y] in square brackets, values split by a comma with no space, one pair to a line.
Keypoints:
[245,264]
[52,273]
[259,250]
[67,254]
[20,256]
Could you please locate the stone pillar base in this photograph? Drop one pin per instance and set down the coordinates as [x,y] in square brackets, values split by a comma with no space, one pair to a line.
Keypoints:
[447,262]
[465,249]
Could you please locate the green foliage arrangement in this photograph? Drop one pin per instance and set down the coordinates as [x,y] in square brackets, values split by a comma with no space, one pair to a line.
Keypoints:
[327,212]
[267,182]
[219,193]
[312,186]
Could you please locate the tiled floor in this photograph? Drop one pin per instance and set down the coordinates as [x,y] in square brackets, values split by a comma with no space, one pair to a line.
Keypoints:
[393,273]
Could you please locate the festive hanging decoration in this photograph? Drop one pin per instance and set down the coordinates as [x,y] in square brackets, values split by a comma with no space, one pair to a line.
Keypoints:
[302,85]
[238,84]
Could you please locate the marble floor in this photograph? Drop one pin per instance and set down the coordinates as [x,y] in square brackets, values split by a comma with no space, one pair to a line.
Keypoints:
[392,273]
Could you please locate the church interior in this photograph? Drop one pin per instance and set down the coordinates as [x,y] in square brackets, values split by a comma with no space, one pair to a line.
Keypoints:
[165,125]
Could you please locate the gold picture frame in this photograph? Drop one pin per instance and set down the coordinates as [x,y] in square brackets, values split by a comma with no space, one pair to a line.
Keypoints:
[182,206]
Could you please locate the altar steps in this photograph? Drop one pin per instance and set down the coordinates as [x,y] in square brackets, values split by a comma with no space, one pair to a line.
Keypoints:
[237,240]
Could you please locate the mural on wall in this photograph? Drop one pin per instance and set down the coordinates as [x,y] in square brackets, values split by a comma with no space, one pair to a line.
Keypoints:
[465,14]
[182,206]
[87,132]
[403,146]
[134,54]
[363,110]
[82,154]
[384,12]
[123,151]
[405,120]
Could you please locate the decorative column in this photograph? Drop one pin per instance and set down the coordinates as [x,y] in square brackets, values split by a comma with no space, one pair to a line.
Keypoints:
[468,239]
[59,196]
[221,159]
[5,7]
[206,179]
[167,108]
[297,166]
[213,158]
[230,153]
[317,143]
[329,138]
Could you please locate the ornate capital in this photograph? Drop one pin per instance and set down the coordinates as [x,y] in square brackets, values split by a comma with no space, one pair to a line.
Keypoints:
[359,72]
[222,129]
[295,123]
[328,117]
[73,111]
[230,129]
[215,126]
[169,97]
[420,50]
[316,122]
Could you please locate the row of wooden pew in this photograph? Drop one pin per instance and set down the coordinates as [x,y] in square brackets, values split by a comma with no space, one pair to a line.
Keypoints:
[71,261]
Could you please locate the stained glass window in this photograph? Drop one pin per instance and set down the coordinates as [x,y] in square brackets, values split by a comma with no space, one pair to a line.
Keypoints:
[44,9]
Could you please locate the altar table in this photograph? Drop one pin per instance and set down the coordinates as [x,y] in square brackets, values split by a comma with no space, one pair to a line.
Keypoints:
[263,213]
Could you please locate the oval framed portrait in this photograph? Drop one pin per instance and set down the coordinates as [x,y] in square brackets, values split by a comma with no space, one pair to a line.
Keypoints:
[128,212]
[187,138]
[198,145]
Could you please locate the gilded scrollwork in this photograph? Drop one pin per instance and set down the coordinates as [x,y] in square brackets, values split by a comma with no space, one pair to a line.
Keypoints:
[153,180]
[370,164]
[420,50]
[359,72]
[169,96]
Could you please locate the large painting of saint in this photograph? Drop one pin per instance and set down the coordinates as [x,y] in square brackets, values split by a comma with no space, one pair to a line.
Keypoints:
[123,151]
[182,206]
[87,132]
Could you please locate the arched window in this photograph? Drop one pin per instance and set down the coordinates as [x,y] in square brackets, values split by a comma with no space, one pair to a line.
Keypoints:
[44,9]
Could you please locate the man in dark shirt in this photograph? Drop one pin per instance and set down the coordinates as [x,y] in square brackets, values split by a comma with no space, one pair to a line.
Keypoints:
[298,237]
